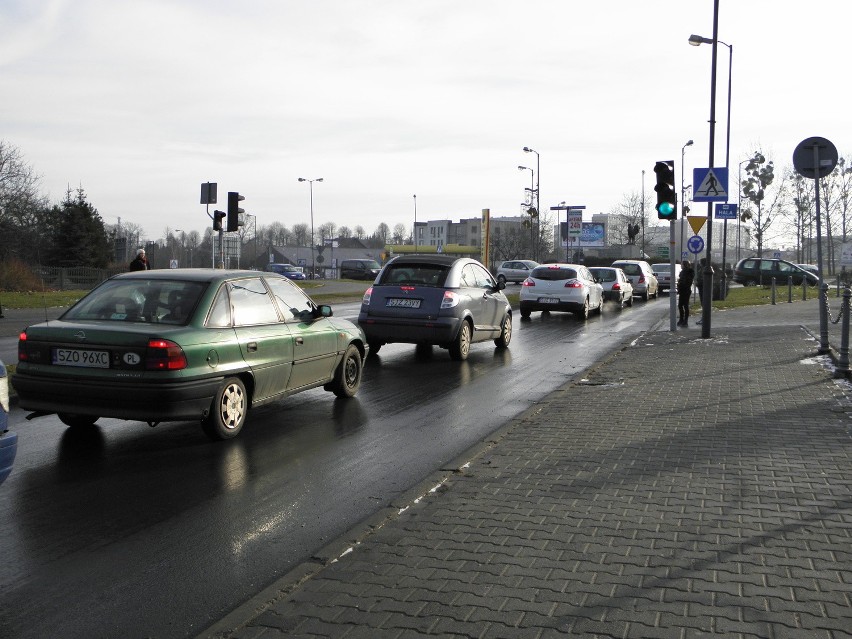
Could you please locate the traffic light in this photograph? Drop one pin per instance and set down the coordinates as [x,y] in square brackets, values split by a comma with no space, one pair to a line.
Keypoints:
[217,220]
[234,210]
[665,188]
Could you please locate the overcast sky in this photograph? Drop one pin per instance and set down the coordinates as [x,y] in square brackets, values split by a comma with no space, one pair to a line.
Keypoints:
[139,102]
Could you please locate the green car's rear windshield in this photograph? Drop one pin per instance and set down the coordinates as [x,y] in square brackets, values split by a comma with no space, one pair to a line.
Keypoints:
[156,301]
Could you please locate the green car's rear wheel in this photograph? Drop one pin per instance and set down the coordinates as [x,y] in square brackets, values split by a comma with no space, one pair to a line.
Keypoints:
[228,411]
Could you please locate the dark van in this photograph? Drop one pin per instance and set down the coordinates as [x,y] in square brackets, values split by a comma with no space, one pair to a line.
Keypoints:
[359,269]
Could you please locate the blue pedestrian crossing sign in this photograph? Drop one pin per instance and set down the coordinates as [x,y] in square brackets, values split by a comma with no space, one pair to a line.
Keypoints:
[695,244]
[711,185]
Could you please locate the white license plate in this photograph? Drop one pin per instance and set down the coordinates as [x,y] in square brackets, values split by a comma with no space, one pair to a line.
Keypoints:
[548,300]
[78,357]
[401,302]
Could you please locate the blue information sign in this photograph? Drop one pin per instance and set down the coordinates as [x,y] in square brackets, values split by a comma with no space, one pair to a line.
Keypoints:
[726,211]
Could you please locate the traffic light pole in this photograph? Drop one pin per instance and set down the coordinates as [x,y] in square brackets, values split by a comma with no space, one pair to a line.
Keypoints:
[672,278]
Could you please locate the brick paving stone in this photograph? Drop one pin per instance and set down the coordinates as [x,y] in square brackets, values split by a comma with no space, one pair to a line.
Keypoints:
[717,504]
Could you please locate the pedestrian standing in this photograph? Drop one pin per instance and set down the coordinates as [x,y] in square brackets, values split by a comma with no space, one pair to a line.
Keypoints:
[140,262]
[699,279]
[684,292]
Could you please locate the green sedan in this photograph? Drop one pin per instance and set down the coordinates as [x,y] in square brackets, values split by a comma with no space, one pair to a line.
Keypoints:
[185,344]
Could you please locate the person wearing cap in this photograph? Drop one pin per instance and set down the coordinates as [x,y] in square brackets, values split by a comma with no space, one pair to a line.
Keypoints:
[140,262]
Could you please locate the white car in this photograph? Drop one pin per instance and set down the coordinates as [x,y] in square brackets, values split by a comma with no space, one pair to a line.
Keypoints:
[641,276]
[664,275]
[561,287]
[515,270]
[616,285]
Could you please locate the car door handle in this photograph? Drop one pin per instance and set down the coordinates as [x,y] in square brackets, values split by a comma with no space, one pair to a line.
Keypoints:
[300,341]
[251,347]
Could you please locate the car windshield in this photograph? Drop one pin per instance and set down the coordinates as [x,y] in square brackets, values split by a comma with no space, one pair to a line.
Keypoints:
[631,269]
[603,274]
[553,273]
[134,300]
[417,274]
[661,268]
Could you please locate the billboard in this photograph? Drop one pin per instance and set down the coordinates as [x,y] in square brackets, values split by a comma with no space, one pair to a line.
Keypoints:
[592,235]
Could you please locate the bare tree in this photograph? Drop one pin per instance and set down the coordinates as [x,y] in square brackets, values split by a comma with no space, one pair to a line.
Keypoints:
[626,222]
[399,234]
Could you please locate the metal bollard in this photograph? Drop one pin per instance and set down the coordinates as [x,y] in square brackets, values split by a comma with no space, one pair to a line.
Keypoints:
[772,289]
[804,289]
[790,289]
[842,368]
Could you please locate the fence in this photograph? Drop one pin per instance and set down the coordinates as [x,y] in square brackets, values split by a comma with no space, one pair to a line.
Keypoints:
[75,277]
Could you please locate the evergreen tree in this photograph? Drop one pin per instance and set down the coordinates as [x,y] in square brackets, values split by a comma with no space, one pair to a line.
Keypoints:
[79,236]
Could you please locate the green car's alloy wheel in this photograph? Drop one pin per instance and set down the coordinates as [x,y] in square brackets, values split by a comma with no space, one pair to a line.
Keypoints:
[347,377]
[228,411]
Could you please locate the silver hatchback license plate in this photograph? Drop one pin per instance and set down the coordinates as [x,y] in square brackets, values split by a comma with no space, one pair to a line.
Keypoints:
[548,300]
[402,302]
[78,357]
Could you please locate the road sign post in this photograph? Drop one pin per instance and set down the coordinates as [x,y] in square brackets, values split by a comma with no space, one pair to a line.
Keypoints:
[725,212]
[815,158]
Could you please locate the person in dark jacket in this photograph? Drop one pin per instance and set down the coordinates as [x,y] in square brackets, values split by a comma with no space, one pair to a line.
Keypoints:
[684,292]
[140,262]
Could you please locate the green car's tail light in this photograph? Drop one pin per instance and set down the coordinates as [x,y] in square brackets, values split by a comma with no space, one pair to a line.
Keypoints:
[164,355]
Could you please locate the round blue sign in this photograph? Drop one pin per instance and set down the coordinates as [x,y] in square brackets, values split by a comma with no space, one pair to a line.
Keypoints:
[695,244]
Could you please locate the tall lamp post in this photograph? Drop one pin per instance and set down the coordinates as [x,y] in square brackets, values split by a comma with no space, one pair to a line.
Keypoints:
[311,186]
[707,295]
[532,199]
[740,203]
[537,193]
[682,192]
[696,41]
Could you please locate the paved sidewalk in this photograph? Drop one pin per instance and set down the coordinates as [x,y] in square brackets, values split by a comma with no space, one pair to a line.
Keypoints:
[712,497]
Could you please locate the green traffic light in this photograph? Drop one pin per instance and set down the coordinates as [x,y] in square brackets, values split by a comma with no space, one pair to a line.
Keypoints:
[665,209]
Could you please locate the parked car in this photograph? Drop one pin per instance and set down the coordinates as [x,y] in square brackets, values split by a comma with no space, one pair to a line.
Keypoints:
[190,344]
[665,280]
[561,287]
[641,276]
[751,271]
[359,269]
[442,300]
[8,439]
[615,283]
[289,271]
[515,270]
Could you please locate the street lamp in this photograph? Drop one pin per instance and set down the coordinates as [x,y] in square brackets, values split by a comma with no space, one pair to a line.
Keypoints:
[682,192]
[532,196]
[537,191]
[311,186]
[696,41]
[740,203]
[707,296]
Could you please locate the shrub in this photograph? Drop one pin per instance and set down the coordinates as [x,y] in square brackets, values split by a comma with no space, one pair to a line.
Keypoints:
[17,276]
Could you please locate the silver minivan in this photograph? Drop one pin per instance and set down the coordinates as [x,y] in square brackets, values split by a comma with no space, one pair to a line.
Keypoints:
[641,276]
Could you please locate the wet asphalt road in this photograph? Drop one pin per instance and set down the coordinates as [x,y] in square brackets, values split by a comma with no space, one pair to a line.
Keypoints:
[127,531]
